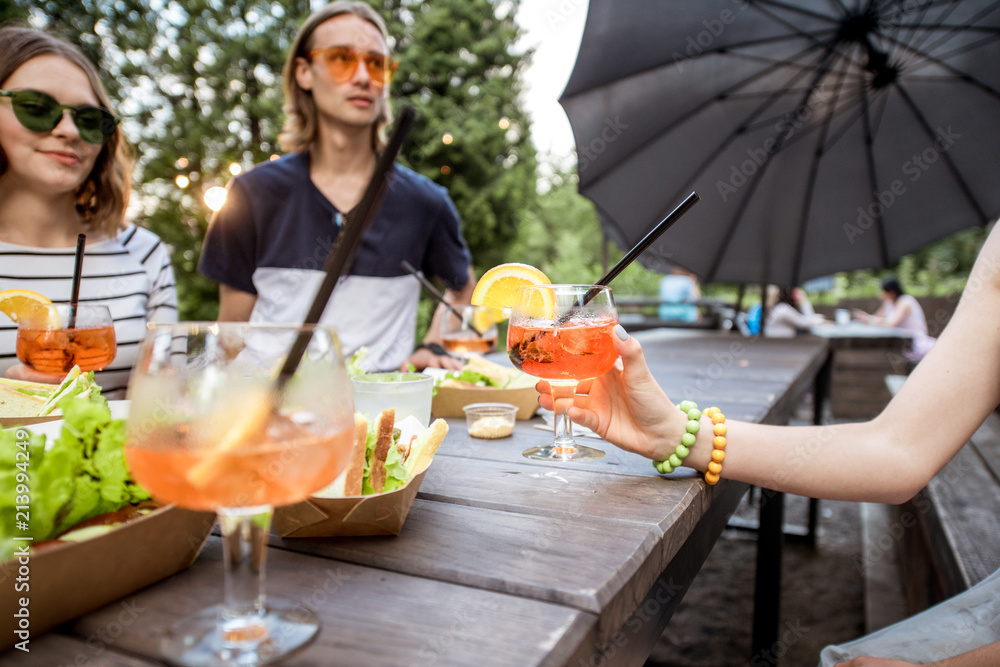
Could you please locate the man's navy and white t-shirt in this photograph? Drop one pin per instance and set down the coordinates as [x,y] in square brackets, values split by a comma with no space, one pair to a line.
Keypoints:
[276,229]
[130,274]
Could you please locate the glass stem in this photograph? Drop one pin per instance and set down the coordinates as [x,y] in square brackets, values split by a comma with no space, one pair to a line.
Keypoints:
[244,544]
[563,392]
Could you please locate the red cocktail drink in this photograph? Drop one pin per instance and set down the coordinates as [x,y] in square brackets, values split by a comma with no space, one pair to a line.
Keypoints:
[58,350]
[576,350]
[562,333]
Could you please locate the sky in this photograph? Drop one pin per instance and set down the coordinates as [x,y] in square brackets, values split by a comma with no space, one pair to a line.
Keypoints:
[553,28]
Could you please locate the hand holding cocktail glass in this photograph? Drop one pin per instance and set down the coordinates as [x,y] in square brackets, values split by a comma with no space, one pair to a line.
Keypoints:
[556,335]
[562,333]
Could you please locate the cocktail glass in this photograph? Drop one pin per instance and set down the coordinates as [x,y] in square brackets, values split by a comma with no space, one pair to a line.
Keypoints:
[47,343]
[460,337]
[208,430]
[562,333]
[410,394]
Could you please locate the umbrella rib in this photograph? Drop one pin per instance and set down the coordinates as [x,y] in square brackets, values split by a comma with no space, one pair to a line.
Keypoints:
[799,10]
[963,185]
[958,28]
[722,95]
[951,27]
[959,73]
[822,68]
[783,22]
[839,6]
[947,12]
[971,46]
[716,51]
[873,179]
[725,142]
[923,13]
[811,183]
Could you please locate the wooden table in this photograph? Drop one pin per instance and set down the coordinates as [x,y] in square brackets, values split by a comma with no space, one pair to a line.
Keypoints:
[861,356]
[502,561]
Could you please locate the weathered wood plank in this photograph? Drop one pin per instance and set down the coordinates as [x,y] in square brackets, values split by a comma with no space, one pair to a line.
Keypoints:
[370,617]
[967,499]
[573,562]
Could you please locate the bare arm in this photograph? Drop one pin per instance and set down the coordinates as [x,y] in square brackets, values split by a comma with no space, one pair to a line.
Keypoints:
[235,305]
[887,459]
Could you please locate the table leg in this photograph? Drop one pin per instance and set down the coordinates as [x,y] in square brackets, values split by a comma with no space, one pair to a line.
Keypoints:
[767,591]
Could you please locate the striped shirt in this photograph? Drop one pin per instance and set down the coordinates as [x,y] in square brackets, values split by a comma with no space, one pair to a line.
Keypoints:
[131,274]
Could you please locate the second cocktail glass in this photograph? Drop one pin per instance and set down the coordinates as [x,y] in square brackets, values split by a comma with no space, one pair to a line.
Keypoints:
[209,429]
[557,334]
[56,337]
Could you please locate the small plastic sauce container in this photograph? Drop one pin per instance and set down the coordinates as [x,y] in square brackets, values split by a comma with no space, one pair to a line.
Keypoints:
[490,420]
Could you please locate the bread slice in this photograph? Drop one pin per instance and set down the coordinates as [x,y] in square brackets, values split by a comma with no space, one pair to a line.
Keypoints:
[355,472]
[383,441]
[425,446]
[14,403]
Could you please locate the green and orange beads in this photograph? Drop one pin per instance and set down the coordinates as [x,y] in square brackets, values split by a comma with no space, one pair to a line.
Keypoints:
[690,409]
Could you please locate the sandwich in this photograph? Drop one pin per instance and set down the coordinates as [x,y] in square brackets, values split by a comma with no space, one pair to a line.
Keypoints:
[386,454]
[19,398]
[20,401]
[479,372]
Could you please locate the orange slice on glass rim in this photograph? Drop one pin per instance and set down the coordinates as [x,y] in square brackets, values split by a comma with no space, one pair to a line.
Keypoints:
[20,304]
[499,290]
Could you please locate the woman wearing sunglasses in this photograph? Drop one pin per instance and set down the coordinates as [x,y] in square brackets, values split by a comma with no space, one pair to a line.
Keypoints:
[65,170]
[267,245]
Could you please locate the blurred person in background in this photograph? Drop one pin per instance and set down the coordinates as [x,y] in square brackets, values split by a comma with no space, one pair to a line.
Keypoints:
[678,292]
[266,246]
[787,316]
[901,311]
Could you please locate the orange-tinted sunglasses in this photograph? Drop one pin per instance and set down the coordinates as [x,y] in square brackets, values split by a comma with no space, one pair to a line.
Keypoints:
[342,62]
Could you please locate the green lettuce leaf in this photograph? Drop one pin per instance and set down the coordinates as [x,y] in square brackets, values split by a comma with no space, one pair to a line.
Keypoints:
[81,475]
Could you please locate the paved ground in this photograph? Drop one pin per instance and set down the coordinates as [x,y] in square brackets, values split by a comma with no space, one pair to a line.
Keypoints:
[821,596]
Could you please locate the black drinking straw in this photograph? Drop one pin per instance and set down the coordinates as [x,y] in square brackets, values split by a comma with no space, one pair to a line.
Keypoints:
[646,241]
[632,254]
[435,293]
[348,241]
[74,297]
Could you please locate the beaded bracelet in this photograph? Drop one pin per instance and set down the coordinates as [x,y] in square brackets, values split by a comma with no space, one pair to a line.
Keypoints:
[690,408]
[718,445]
[669,464]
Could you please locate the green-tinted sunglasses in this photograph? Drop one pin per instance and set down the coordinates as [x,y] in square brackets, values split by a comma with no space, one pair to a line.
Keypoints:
[40,113]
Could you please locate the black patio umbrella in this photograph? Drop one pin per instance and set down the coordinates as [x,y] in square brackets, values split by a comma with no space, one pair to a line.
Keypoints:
[822,135]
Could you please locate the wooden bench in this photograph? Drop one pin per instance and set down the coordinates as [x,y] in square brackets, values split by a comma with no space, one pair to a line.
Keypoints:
[947,538]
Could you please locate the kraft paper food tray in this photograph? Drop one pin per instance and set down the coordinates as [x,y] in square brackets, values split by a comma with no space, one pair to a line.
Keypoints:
[353,516]
[11,422]
[68,580]
[449,401]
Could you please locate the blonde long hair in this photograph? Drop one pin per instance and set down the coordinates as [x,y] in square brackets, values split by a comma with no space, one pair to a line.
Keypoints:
[102,199]
[300,128]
